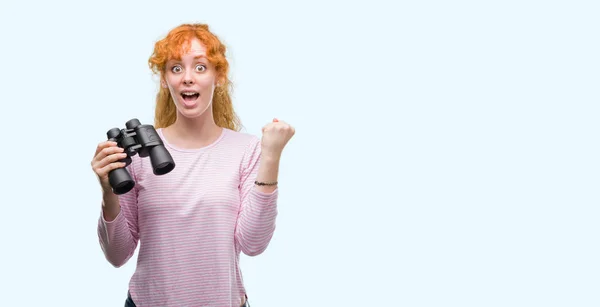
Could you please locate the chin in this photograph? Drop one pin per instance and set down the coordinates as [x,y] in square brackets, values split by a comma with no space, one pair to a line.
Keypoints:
[194,112]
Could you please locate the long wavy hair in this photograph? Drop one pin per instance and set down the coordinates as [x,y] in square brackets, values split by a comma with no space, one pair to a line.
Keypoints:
[172,47]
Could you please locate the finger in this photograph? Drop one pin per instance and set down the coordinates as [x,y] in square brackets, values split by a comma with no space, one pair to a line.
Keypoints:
[281,123]
[100,165]
[106,152]
[282,126]
[267,126]
[106,169]
[103,145]
[111,159]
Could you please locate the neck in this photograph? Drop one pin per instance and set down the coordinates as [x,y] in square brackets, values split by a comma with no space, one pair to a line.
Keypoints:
[193,132]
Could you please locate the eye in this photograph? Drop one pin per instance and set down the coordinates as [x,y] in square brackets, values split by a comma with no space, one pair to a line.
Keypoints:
[200,68]
[176,69]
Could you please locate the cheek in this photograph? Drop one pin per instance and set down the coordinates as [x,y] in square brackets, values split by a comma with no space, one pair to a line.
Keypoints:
[206,81]
[170,87]
[172,79]
[167,82]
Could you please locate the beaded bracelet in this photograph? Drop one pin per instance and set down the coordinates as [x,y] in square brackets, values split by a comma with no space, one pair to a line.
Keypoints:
[265,183]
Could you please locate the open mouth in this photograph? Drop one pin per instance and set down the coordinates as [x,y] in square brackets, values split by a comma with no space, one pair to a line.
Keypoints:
[190,96]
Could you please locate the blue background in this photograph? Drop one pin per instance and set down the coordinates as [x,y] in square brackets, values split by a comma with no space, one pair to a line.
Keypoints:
[446,152]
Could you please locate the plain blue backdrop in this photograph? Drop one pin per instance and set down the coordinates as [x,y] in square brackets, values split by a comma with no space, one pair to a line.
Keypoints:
[446,152]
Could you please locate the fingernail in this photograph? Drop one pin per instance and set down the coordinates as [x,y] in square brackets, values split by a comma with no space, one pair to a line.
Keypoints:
[275,120]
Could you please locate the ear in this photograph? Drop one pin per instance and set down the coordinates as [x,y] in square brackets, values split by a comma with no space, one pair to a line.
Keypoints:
[163,83]
[219,81]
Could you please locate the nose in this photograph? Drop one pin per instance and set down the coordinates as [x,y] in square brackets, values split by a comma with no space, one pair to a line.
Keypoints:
[188,79]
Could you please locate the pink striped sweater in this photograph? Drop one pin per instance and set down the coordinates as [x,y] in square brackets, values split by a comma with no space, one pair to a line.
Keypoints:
[192,223]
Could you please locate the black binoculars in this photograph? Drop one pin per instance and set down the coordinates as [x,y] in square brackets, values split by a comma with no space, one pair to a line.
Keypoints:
[143,139]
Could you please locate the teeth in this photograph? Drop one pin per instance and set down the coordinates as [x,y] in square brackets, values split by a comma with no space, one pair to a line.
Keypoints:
[189,93]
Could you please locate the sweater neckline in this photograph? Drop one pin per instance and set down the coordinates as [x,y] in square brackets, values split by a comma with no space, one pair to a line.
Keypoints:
[199,149]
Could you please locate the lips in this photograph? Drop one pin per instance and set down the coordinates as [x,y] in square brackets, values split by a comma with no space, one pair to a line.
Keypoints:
[189,98]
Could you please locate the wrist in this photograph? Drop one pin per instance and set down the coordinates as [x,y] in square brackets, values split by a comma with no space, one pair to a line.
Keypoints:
[270,156]
[107,191]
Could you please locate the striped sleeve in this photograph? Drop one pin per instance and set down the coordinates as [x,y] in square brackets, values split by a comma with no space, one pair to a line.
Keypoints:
[258,210]
[119,237]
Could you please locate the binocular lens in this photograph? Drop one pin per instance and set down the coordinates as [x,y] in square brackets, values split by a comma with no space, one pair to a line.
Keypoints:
[121,181]
[162,163]
[123,187]
[164,168]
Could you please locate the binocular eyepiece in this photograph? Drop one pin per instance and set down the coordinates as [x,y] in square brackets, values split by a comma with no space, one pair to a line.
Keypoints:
[143,139]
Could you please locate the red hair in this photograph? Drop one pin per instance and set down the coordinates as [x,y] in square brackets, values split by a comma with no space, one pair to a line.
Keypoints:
[173,46]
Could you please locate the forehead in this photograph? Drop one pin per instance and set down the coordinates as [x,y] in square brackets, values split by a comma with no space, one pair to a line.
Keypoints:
[190,49]
[195,46]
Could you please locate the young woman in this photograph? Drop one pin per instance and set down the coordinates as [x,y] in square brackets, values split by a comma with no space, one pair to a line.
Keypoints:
[221,198]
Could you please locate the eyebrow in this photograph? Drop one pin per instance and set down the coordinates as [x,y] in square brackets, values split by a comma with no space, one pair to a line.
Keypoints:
[195,58]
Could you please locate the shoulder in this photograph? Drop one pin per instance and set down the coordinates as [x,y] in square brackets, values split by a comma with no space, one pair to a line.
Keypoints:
[241,140]
[240,135]
[247,148]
